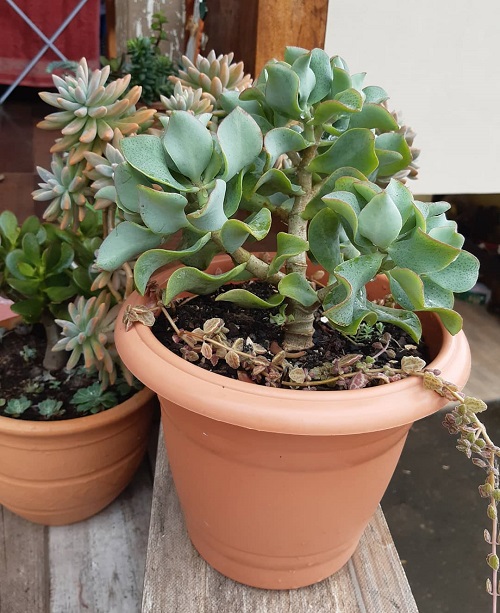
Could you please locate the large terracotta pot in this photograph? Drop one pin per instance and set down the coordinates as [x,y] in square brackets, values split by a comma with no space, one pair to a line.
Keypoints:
[278,485]
[61,472]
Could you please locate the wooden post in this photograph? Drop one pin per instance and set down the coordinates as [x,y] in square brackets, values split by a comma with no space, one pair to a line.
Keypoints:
[134,19]
[257,30]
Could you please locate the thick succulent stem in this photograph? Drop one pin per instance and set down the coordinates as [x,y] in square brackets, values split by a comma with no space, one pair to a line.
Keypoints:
[299,327]
[53,360]
[257,267]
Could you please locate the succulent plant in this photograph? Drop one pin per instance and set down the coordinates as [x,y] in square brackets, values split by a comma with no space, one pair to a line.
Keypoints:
[411,171]
[101,173]
[91,110]
[89,333]
[338,140]
[67,189]
[213,74]
[187,99]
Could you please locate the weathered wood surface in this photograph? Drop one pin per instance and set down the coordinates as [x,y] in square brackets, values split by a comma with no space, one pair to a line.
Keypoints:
[258,30]
[483,333]
[133,18]
[179,581]
[94,566]
[24,576]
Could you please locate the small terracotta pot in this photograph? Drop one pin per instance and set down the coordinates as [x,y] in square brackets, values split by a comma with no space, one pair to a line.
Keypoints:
[278,485]
[61,472]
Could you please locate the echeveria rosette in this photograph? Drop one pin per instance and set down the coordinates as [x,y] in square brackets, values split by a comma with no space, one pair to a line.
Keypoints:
[91,111]
[306,144]
[213,75]
[67,188]
[89,333]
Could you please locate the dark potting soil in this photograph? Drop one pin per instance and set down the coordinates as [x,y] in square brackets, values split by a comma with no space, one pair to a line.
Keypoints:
[22,375]
[257,325]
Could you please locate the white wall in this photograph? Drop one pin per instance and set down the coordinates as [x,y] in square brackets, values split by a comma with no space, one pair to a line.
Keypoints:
[439,61]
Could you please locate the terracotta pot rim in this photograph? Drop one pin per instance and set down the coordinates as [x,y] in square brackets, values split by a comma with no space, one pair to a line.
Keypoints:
[262,408]
[40,429]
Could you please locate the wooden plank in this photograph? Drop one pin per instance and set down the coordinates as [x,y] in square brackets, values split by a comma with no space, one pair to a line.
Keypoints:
[483,333]
[24,581]
[133,19]
[98,565]
[258,30]
[179,581]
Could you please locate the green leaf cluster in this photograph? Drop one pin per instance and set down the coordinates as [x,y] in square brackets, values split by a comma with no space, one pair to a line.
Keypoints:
[307,141]
[43,267]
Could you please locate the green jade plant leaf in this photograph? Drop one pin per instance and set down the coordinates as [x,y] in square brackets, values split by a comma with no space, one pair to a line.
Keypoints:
[307,144]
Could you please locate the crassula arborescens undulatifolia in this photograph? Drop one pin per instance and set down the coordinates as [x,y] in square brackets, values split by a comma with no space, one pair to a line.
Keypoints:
[308,144]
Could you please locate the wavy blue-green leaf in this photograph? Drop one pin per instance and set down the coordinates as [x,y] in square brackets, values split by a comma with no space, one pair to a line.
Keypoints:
[240,140]
[316,204]
[189,144]
[407,288]
[211,217]
[247,300]
[125,242]
[192,280]
[277,181]
[235,232]
[287,246]
[459,276]
[295,286]
[282,90]
[380,221]
[126,181]
[355,148]
[452,320]
[146,154]
[320,65]
[282,140]
[374,116]
[422,253]
[324,239]
[162,212]
[404,319]
[150,261]
[346,205]
[352,276]
[393,141]
[234,191]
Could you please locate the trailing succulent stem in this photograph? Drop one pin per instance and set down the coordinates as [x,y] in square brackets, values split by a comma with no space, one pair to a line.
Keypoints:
[475,443]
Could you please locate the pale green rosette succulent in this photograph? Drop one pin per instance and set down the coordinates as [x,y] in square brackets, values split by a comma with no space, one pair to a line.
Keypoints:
[91,111]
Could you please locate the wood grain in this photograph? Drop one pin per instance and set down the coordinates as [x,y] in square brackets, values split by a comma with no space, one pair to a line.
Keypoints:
[258,30]
[177,579]
[98,565]
[24,576]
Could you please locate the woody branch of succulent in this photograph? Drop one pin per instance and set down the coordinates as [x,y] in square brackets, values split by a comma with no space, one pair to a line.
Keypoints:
[308,144]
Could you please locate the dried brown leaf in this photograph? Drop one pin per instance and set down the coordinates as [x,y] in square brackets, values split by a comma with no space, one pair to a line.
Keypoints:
[232,359]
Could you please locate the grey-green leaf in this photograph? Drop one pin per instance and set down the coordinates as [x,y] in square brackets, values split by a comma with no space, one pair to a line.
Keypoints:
[162,212]
[153,259]
[187,279]
[240,140]
[247,300]
[189,144]
[124,243]
[296,287]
